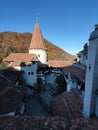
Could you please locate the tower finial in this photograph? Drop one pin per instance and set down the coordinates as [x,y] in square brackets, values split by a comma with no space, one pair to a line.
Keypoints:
[37,16]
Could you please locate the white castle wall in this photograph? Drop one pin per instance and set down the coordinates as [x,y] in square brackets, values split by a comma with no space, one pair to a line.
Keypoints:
[91,83]
[41,54]
[83,59]
[29,73]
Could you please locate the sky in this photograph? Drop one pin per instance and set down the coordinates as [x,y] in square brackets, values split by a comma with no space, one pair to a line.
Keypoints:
[65,23]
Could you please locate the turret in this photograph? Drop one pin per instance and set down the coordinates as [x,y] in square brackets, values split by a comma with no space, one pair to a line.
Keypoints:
[37,45]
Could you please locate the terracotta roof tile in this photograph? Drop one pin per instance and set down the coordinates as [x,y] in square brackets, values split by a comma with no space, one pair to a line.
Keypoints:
[68,104]
[20,58]
[11,74]
[75,71]
[47,123]
[80,53]
[59,64]
[59,108]
[9,100]
[10,96]
[37,41]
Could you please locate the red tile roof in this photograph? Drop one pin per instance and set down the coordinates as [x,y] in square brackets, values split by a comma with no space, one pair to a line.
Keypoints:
[69,120]
[9,100]
[18,59]
[75,71]
[37,41]
[10,96]
[47,123]
[59,64]
[80,53]
[11,74]
[67,104]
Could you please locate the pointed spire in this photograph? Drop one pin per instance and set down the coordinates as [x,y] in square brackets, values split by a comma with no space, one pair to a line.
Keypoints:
[37,41]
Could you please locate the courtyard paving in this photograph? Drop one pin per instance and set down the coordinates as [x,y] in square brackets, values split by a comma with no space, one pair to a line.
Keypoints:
[40,104]
[34,107]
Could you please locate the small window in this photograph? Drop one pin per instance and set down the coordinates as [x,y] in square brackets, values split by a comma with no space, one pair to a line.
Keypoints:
[90,67]
[32,73]
[86,57]
[28,73]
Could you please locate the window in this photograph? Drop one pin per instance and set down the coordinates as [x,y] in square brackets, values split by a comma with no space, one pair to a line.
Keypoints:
[90,67]
[32,73]
[28,73]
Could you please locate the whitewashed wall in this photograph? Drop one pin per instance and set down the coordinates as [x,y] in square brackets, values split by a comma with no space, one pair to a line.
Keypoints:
[41,54]
[91,84]
[29,73]
[83,59]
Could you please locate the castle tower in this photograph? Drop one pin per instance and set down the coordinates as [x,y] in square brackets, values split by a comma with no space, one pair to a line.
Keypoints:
[91,83]
[37,45]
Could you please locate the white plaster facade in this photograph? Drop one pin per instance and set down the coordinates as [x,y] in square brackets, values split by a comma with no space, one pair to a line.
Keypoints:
[40,53]
[29,73]
[82,56]
[91,83]
[83,59]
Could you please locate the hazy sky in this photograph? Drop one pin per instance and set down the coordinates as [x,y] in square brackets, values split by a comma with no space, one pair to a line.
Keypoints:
[66,23]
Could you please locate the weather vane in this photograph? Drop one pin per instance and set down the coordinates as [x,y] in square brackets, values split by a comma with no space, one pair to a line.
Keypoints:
[37,16]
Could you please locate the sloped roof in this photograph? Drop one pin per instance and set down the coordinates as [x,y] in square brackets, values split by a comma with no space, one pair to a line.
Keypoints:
[80,53]
[11,74]
[37,41]
[47,123]
[59,64]
[67,104]
[10,97]
[20,58]
[72,120]
[75,71]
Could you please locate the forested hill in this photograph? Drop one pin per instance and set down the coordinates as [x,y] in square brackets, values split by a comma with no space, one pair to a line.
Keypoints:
[19,42]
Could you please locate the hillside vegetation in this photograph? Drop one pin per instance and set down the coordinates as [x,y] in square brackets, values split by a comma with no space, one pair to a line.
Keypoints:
[19,42]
